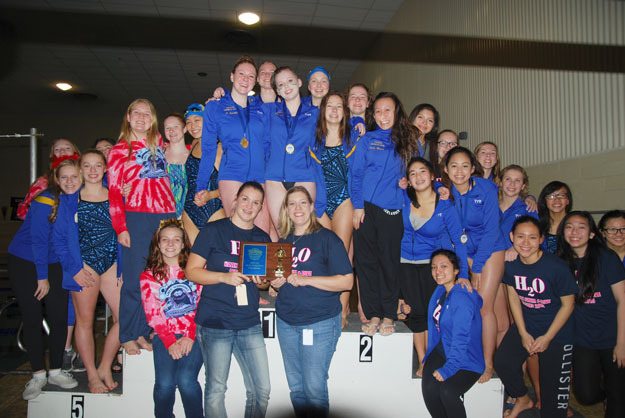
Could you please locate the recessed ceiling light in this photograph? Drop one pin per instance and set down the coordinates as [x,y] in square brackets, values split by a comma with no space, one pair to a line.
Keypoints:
[251,93]
[249,18]
[64,86]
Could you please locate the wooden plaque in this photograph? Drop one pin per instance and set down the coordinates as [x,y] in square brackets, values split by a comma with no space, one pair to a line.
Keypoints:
[264,258]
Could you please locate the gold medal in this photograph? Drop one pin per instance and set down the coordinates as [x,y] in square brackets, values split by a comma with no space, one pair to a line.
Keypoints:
[290,148]
[244,142]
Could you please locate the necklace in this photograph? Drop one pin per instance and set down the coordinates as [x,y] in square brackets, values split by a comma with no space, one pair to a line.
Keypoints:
[298,238]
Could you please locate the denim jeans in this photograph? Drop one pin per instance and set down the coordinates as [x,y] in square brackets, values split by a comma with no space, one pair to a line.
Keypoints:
[248,347]
[182,373]
[307,366]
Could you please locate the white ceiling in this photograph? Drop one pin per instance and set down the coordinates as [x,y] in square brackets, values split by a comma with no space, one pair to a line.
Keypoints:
[169,77]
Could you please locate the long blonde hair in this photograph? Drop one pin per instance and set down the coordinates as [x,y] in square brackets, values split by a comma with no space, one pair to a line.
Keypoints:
[285,224]
[152,137]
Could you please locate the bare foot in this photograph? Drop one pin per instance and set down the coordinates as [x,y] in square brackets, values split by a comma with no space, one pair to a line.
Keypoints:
[144,344]
[372,327]
[361,314]
[344,321]
[97,386]
[131,348]
[107,378]
[522,403]
[420,371]
[486,376]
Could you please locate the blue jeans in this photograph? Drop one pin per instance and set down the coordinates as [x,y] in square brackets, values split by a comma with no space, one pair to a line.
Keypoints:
[307,366]
[182,373]
[248,347]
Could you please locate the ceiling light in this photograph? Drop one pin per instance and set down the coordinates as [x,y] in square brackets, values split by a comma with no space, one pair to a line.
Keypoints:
[249,18]
[251,93]
[64,86]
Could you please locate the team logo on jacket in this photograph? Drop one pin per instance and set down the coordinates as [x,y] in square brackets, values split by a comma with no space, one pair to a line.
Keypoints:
[153,166]
[180,297]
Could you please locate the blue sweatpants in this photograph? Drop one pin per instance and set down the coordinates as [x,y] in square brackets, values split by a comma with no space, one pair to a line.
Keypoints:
[141,227]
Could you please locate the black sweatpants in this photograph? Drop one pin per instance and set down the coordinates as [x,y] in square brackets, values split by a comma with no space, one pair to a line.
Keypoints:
[445,399]
[596,377]
[417,287]
[23,276]
[377,245]
[555,372]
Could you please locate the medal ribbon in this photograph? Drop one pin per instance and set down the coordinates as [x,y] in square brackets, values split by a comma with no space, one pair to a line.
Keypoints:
[244,118]
[290,121]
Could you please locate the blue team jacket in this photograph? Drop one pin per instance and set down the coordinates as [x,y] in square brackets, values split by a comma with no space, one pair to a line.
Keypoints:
[479,216]
[440,231]
[296,166]
[65,240]
[460,329]
[33,241]
[376,172]
[222,119]
[518,209]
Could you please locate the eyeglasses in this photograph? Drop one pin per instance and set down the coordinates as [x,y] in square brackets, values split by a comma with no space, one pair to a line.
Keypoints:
[614,231]
[447,144]
[559,196]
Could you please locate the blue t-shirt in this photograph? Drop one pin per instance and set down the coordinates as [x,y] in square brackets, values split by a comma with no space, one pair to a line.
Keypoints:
[219,243]
[318,254]
[595,319]
[540,287]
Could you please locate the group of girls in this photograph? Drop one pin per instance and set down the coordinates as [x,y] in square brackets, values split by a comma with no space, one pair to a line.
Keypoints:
[334,175]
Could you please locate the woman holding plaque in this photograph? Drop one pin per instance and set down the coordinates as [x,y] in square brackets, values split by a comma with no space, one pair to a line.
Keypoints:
[227,315]
[237,120]
[308,305]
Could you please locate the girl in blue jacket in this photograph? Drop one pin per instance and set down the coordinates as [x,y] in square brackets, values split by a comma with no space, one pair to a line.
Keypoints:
[238,121]
[86,244]
[429,224]
[35,276]
[290,134]
[477,204]
[454,360]
[379,163]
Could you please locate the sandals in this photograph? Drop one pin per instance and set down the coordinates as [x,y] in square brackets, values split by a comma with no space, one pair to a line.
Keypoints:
[387,328]
[371,328]
[116,367]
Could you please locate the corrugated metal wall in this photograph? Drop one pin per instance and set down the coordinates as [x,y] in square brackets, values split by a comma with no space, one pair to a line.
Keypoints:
[536,116]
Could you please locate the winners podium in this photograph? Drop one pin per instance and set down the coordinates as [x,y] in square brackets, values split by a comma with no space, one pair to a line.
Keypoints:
[370,377]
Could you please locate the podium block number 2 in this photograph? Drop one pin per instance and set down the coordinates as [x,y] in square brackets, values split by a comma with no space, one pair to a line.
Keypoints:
[78,406]
[366,349]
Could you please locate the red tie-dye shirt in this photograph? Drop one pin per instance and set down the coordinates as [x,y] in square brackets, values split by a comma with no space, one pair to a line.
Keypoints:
[170,305]
[146,174]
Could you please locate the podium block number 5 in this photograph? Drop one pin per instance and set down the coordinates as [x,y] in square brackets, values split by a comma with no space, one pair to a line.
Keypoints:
[366,349]
[78,406]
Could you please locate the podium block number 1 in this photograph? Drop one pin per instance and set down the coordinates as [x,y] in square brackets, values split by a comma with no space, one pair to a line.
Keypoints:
[366,349]
[268,322]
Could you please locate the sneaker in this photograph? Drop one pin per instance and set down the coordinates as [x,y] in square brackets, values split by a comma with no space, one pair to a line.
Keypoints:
[33,388]
[63,380]
[68,359]
[77,365]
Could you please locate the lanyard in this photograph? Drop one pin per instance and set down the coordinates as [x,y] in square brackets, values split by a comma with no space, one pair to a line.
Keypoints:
[244,118]
[290,121]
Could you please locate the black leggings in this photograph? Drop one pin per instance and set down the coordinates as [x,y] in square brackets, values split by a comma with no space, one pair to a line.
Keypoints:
[555,372]
[596,377]
[23,278]
[377,249]
[445,399]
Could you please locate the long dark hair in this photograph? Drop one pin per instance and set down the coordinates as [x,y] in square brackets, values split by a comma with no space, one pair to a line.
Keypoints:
[586,268]
[322,125]
[412,193]
[155,262]
[543,210]
[457,150]
[612,214]
[403,134]
[432,136]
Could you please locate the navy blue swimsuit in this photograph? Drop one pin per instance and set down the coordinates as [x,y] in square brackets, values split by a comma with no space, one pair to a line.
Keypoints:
[199,215]
[335,170]
[97,238]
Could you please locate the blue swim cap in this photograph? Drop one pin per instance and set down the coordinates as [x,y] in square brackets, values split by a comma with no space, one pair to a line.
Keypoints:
[317,70]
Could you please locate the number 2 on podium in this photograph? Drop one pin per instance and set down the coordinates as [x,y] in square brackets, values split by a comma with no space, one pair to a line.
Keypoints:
[366,349]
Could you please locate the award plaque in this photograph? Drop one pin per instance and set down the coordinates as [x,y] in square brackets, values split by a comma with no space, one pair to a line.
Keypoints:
[265,259]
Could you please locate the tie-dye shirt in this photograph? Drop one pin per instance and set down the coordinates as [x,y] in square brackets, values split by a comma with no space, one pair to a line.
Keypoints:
[170,305]
[150,191]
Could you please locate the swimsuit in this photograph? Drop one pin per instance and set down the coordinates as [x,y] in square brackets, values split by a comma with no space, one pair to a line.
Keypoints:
[178,182]
[335,171]
[199,215]
[97,238]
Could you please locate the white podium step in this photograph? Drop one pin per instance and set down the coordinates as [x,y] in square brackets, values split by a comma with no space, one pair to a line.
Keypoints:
[369,378]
